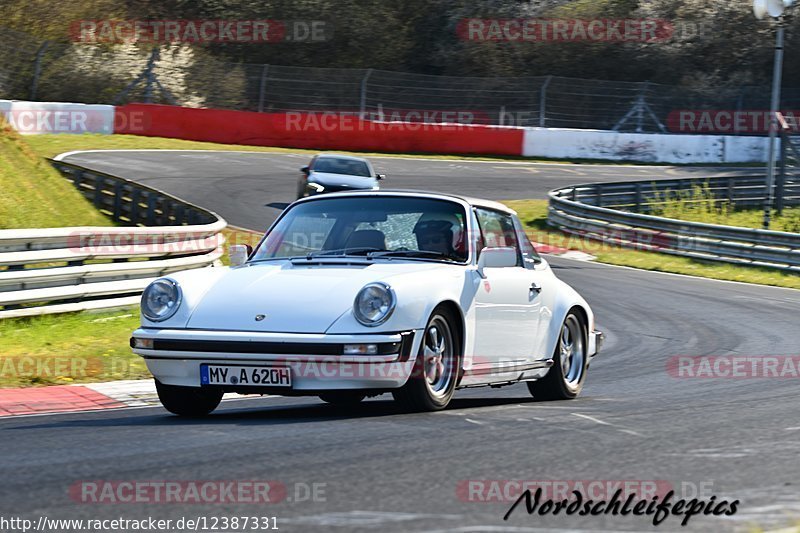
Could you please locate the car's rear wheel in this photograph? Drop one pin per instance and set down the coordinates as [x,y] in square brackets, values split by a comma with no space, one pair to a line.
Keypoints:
[188,401]
[565,379]
[433,379]
[343,398]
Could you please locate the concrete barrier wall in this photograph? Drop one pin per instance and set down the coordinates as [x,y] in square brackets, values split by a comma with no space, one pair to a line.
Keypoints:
[30,118]
[321,131]
[647,147]
[331,131]
[742,149]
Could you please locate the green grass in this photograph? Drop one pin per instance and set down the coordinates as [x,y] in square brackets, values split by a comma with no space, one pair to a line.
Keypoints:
[700,205]
[789,220]
[33,194]
[69,348]
[533,214]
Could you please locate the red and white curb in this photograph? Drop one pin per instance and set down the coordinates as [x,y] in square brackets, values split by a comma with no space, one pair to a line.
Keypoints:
[132,393]
[563,252]
[78,398]
[55,399]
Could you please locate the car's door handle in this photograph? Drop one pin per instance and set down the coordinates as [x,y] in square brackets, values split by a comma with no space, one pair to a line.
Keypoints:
[535,287]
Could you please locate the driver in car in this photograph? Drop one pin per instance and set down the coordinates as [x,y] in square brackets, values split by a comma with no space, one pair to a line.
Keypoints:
[435,236]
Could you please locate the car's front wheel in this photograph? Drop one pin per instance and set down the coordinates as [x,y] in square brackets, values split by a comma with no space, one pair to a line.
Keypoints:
[433,379]
[564,380]
[188,401]
[301,189]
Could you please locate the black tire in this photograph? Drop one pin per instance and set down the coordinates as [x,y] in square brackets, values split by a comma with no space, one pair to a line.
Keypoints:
[344,398]
[565,379]
[188,401]
[301,189]
[433,389]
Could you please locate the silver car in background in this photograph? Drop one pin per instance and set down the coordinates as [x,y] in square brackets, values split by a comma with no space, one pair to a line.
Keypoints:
[334,172]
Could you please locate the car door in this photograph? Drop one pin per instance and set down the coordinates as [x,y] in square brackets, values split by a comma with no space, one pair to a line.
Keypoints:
[507,304]
[545,288]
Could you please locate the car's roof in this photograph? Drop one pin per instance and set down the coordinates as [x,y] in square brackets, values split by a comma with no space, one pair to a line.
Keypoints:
[476,202]
[340,156]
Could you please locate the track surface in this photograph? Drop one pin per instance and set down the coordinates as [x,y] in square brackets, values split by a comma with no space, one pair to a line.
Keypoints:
[249,189]
[385,471]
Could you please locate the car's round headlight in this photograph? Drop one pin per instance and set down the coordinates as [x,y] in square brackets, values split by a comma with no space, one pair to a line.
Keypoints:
[374,304]
[161,299]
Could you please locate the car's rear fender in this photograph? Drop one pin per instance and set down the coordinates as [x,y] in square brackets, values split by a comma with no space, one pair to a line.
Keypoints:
[569,300]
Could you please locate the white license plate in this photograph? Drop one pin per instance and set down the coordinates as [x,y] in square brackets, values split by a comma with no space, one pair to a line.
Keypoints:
[241,375]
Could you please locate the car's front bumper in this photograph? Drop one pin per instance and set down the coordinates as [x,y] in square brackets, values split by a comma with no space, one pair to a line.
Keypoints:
[316,361]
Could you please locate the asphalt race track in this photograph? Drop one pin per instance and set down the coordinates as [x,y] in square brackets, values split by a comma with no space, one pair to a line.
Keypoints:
[380,470]
[249,189]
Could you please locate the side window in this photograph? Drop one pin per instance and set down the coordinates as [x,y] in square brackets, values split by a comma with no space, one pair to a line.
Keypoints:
[497,230]
[530,257]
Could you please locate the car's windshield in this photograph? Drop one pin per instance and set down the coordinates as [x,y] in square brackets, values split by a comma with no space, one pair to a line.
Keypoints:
[336,165]
[377,226]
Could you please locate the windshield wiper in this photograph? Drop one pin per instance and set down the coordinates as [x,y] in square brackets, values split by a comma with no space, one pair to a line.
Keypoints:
[353,250]
[371,252]
[412,254]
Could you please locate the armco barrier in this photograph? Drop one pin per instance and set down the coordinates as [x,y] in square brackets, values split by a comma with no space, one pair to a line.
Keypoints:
[56,270]
[603,212]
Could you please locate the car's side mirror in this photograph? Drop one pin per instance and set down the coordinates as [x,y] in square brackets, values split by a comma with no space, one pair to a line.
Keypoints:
[380,176]
[305,170]
[238,253]
[497,258]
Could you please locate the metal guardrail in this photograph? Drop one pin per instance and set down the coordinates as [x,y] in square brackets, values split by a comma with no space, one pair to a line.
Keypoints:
[617,213]
[69,269]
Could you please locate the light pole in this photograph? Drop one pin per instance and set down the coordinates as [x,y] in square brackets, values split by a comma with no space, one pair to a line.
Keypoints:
[775,9]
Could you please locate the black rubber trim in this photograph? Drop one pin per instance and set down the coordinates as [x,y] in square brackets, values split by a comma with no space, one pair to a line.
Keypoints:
[407,343]
[279,348]
[403,347]
[523,367]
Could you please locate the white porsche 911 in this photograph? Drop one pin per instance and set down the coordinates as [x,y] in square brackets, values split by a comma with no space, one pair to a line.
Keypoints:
[356,294]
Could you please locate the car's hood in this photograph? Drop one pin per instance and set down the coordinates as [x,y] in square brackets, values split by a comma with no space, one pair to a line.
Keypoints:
[292,298]
[343,181]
